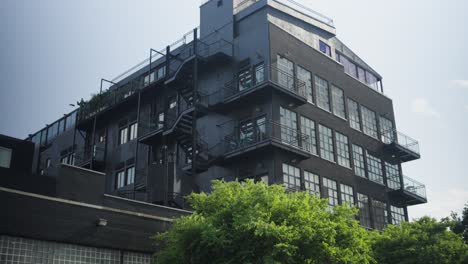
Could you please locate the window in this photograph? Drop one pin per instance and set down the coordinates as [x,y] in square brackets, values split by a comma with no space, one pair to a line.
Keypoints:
[312,183]
[291,176]
[331,191]
[259,73]
[342,150]
[397,214]
[306,77]
[379,214]
[364,211]
[325,48]
[123,135]
[68,159]
[245,79]
[130,175]
[349,66]
[172,103]
[374,166]
[386,130]
[323,95]
[48,163]
[338,102]
[161,120]
[372,81]
[359,165]
[120,179]
[308,128]
[369,122]
[288,121]
[133,131]
[347,194]
[326,143]
[285,73]
[252,130]
[219,3]
[354,117]
[361,74]
[161,72]
[393,176]
[5,157]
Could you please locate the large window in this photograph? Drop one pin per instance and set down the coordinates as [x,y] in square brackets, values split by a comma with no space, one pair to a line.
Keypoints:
[308,128]
[5,157]
[397,214]
[342,150]
[364,211]
[306,77]
[374,166]
[259,73]
[353,113]
[349,66]
[291,176]
[288,121]
[379,213]
[285,73]
[70,120]
[369,122]
[326,143]
[393,176]
[386,130]
[120,179]
[323,93]
[130,175]
[324,48]
[252,130]
[312,183]
[347,194]
[358,158]
[338,102]
[330,191]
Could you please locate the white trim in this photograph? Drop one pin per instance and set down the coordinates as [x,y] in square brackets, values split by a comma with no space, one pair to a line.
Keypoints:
[98,207]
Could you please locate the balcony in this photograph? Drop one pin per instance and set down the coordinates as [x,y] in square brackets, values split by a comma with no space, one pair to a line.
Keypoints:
[411,193]
[252,83]
[91,158]
[401,147]
[258,135]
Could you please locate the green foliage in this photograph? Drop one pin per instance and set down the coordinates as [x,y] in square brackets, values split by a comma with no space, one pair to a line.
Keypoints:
[422,241]
[256,223]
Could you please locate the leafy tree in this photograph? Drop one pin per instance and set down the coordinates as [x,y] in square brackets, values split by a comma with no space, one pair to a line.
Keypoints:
[459,225]
[422,241]
[256,223]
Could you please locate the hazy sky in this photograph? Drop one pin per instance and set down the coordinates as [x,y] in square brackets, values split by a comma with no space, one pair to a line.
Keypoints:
[53,53]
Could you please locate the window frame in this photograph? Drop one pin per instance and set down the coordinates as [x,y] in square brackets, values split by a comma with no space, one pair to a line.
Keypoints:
[326,143]
[342,150]
[320,93]
[336,101]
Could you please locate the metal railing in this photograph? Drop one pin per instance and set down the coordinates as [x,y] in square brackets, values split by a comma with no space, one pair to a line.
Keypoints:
[181,50]
[394,136]
[291,4]
[253,78]
[267,130]
[89,154]
[414,187]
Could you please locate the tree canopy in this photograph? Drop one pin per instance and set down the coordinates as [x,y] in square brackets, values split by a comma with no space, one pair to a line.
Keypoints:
[423,241]
[256,223]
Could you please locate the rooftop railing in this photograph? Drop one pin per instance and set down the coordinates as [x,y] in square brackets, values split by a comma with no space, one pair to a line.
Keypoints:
[291,4]
[414,187]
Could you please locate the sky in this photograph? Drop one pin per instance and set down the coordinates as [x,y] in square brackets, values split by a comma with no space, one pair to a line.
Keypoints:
[54,52]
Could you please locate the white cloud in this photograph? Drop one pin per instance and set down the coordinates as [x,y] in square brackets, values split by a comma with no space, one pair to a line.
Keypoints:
[422,106]
[440,204]
[462,83]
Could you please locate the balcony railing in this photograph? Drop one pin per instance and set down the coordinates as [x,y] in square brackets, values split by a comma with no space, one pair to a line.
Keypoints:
[262,132]
[249,80]
[414,187]
[395,137]
[291,4]
[88,155]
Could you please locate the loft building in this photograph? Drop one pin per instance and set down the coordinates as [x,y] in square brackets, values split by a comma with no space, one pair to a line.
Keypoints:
[262,90]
